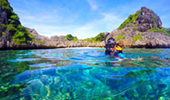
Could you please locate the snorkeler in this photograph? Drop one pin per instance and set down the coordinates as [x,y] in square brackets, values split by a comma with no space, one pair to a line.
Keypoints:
[113,49]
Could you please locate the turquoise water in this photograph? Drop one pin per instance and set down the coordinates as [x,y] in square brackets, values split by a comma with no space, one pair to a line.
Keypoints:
[84,74]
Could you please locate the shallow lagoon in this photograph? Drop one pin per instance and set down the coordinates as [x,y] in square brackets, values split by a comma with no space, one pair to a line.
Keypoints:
[84,74]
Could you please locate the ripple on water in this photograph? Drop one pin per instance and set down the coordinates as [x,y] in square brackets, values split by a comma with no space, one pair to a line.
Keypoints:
[42,65]
[21,60]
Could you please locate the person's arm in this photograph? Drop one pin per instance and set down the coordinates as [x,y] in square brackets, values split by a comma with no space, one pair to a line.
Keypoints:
[121,55]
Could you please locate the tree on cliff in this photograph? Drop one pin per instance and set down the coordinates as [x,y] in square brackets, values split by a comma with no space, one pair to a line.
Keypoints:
[99,37]
[70,37]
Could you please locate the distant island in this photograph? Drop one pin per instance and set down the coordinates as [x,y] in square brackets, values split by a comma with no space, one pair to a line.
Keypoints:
[140,30]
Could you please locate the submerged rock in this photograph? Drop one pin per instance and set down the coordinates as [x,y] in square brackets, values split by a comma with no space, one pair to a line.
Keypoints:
[36,88]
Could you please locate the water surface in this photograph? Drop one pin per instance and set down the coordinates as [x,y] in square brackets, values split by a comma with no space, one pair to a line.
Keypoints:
[84,74]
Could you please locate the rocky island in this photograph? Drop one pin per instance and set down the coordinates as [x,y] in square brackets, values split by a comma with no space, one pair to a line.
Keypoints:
[142,29]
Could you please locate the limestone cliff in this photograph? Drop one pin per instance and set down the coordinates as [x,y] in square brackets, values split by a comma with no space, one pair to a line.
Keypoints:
[142,29]
[12,33]
[62,42]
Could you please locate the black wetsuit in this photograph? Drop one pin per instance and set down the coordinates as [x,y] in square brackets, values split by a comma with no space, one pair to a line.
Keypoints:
[107,52]
[115,54]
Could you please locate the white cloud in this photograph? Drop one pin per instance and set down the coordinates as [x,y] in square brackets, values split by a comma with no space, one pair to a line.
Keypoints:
[82,31]
[19,10]
[30,17]
[107,23]
[85,31]
[111,20]
[92,4]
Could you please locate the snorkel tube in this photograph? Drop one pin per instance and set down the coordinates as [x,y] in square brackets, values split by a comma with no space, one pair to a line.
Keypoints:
[105,38]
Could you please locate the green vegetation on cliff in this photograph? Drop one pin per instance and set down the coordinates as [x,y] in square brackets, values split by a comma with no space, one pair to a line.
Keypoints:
[70,38]
[130,19]
[18,33]
[137,37]
[167,30]
[3,27]
[39,41]
[98,38]
[3,33]
[120,37]
[156,29]
[88,40]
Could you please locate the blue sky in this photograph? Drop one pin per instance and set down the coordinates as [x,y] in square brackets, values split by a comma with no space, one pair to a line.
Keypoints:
[83,18]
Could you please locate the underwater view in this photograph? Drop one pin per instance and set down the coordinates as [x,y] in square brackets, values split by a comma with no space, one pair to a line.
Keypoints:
[84,74]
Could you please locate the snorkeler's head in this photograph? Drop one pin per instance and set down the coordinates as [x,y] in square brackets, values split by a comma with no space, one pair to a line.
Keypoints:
[110,43]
